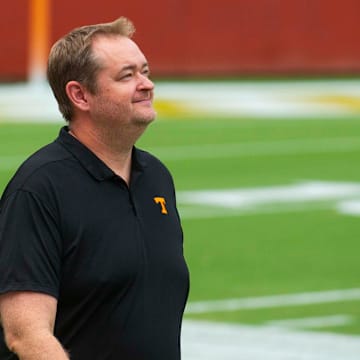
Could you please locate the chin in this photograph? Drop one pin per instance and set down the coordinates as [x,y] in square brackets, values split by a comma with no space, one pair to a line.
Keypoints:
[146,118]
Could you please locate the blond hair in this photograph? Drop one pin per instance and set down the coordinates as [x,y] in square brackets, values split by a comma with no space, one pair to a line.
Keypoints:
[71,58]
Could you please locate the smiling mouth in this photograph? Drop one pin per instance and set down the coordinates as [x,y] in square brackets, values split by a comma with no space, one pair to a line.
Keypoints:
[146,100]
[145,97]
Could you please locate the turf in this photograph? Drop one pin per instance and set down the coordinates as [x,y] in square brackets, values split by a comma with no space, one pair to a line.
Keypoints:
[251,254]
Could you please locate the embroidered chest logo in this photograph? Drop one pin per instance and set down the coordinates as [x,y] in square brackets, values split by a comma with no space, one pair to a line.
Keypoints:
[160,200]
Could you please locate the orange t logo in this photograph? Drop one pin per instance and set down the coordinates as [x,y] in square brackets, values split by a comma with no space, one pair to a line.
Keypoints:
[162,202]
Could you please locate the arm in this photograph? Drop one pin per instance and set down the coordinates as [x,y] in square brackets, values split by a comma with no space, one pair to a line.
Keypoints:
[28,320]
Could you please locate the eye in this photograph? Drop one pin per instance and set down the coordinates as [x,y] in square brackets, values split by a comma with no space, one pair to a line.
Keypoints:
[146,72]
[127,75]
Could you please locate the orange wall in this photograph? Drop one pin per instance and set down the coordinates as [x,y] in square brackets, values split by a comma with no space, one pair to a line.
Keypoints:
[208,37]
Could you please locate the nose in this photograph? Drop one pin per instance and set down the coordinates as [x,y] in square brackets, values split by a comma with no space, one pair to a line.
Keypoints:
[145,83]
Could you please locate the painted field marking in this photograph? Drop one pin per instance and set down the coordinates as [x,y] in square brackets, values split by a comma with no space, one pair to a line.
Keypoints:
[302,196]
[280,99]
[313,322]
[271,301]
[217,341]
[269,99]
[349,207]
[247,197]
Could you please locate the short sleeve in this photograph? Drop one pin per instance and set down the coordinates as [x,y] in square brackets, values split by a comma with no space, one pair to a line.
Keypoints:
[30,245]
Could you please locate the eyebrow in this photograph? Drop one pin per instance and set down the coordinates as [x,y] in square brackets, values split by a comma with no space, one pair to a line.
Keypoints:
[133,67]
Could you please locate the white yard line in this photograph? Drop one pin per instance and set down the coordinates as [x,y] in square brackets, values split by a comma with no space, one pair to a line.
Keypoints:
[247,197]
[301,196]
[261,302]
[349,207]
[216,341]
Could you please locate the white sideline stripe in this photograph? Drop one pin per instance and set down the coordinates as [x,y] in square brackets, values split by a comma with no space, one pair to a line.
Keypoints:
[217,341]
[281,147]
[305,298]
[282,99]
[313,322]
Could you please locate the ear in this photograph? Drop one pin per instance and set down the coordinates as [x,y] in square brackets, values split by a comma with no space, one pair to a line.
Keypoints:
[77,94]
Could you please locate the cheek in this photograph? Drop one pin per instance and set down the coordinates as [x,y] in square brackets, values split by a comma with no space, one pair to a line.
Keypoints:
[112,103]
[113,99]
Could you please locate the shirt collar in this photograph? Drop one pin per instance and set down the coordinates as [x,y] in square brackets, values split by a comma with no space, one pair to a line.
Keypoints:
[96,167]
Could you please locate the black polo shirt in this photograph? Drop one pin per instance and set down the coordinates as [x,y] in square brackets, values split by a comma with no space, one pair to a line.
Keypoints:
[111,254]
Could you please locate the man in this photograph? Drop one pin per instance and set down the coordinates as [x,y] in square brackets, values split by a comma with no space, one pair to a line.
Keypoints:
[91,253]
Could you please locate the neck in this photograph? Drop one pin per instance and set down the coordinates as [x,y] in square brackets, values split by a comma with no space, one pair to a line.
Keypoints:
[114,148]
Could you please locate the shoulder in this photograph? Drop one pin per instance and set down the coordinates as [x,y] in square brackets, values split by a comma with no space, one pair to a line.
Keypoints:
[152,164]
[38,170]
[149,160]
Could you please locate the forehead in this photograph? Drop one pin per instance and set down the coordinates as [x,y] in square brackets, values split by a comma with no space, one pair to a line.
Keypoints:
[116,49]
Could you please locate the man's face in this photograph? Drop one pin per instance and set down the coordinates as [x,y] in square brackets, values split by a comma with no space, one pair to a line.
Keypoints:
[124,91]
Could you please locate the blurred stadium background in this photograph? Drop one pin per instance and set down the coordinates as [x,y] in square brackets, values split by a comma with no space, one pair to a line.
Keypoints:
[259,121]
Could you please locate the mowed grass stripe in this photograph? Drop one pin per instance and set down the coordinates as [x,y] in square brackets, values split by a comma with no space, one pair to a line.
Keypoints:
[313,321]
[211,151]
[264,148]
[11,162]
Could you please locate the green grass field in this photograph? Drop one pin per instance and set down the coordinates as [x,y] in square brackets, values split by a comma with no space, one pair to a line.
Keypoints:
[268,248]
